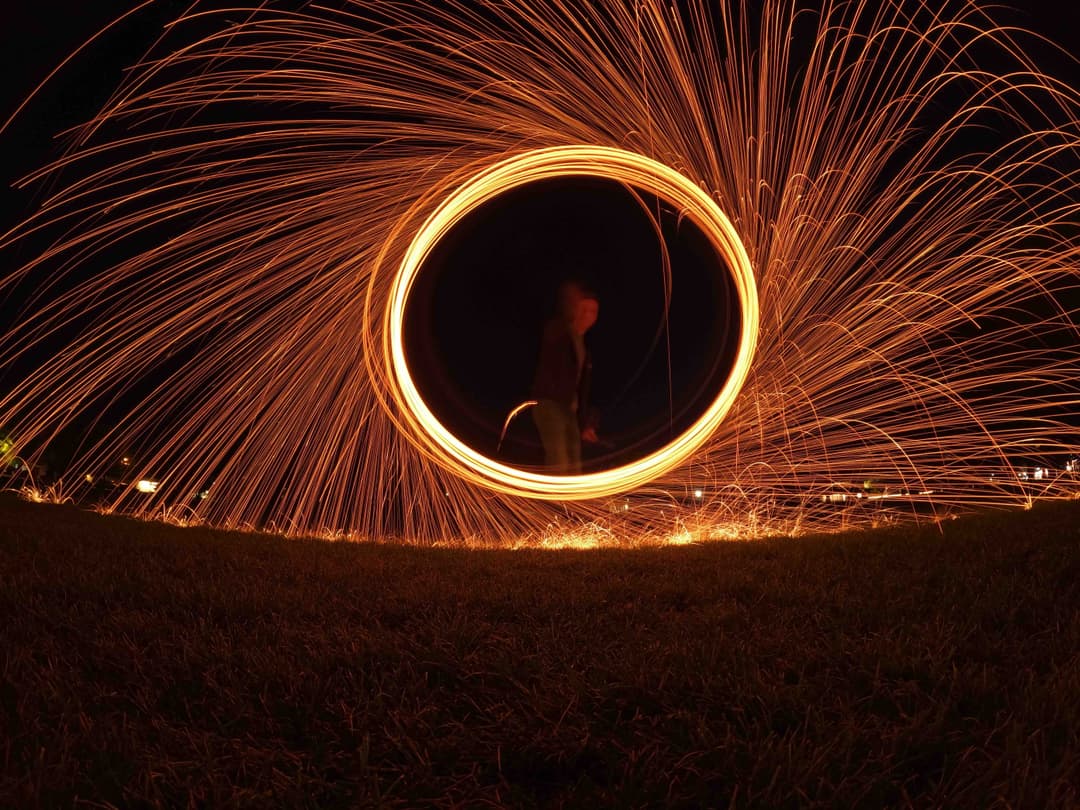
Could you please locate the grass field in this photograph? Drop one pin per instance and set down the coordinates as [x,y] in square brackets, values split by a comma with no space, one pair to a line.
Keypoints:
[148,665]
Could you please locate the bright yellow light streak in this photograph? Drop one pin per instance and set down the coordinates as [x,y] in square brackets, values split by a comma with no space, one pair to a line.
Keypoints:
[621,166]
[510,418]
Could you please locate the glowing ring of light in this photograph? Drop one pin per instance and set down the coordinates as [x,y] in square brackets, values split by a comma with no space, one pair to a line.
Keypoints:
[543,164]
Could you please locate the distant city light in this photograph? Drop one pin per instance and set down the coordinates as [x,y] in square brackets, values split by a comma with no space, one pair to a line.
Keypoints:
[146,486]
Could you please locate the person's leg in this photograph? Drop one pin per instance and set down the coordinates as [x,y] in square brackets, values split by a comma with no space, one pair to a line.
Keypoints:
[573,444]
[551,424]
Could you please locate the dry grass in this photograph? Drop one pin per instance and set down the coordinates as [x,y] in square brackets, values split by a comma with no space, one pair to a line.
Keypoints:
[149,665]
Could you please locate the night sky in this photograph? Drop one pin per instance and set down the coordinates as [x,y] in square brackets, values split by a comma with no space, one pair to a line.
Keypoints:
[475,325]
[487,289]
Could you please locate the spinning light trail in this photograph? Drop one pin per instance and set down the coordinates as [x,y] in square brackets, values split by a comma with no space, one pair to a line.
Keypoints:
[233,238]
[635,171]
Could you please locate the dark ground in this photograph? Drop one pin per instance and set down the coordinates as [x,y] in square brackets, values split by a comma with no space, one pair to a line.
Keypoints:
[146,665]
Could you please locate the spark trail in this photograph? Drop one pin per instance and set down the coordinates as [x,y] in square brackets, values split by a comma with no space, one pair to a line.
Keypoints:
[228,232]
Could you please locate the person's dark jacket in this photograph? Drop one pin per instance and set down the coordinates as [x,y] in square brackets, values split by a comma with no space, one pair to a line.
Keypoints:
[557,371]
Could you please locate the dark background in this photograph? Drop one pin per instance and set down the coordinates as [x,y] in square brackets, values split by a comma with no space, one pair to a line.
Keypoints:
[494,279]
[473,327]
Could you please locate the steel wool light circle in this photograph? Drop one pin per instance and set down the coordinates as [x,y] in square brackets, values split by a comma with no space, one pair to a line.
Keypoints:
[544,164]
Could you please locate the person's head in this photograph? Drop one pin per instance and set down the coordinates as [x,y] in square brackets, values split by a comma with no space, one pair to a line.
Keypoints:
[579,306]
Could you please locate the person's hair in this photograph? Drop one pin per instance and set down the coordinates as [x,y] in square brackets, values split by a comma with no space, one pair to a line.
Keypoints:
[571,291]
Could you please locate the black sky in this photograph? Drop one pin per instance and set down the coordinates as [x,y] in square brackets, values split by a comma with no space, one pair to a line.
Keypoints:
[483,296]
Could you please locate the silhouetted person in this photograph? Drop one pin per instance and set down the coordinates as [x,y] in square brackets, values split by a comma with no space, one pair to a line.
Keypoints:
[561,384]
